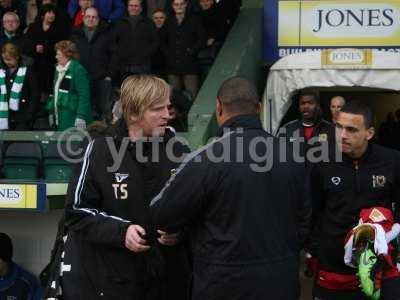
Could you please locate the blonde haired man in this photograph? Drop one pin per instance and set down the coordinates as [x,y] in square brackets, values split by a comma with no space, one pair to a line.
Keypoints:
[108,198]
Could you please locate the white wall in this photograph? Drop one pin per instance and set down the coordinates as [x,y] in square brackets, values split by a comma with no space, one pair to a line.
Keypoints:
[33,236]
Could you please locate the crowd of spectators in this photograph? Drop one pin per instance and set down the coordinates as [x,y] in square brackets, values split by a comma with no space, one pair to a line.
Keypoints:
[174,39]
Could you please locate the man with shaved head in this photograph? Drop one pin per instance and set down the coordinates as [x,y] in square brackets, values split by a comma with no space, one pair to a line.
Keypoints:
[242,207]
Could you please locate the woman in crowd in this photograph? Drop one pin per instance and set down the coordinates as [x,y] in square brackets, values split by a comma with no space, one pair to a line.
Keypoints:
[69,106]
[43,34]
[182,38]
[19,96]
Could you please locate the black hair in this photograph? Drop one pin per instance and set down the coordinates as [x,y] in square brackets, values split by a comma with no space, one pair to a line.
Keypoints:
[45,9]
[359,108]
[313,94]
[159,10]
[239,95]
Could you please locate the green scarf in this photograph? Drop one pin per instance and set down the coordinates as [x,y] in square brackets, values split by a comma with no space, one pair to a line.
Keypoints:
[15,95]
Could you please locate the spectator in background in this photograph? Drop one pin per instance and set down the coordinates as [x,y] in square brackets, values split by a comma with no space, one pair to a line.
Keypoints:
[15,283]
[79,12]
[182,38]
[213,22]
[336,104]
[159,16]
[11,33]
[69,106]
[62,15]
[31,11]
[109,10]
[92,40]
[158,61]
[43,34]
[16,6]
[19,90]
[135,41]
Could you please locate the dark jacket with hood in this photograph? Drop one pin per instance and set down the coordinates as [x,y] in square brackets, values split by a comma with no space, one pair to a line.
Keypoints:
[102,204]
[247,215]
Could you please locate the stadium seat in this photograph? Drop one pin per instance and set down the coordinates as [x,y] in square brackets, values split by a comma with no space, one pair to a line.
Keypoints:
[55,165]
[22,161]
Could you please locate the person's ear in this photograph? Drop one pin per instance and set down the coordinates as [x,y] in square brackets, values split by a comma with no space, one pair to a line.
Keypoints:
[219,108]
[258,108]
[370,133]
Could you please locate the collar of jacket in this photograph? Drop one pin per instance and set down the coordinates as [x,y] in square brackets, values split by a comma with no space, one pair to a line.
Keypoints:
[119,131]
[102,27]
[317,122]
[367,154]
[240,121]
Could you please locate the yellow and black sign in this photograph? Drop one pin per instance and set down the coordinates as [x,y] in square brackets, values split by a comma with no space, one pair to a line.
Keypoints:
[339,23]
[23,196]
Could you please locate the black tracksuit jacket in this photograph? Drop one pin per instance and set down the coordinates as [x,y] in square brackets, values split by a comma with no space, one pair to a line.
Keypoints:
[101,204]
[341,189]
[245,226]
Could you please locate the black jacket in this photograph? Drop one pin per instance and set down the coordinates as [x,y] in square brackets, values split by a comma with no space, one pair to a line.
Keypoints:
[29,102]
[181,43]
[18,39]
[102,204]
[44,63]
[134,46]
[213,23]
[323,137]
[246,223]
[94,55]
[341,189]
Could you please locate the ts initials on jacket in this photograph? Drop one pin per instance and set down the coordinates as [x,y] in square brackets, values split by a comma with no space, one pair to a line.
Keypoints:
[103,203]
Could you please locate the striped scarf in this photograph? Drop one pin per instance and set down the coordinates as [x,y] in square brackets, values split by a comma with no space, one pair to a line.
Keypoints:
[15,95]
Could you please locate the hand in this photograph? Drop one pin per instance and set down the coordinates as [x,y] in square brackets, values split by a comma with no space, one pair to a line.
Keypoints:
[210,42]
[168,239]
[51,120]
[134,240]
[312,265]
[80,123]
[39,49]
